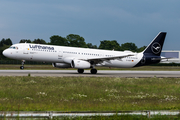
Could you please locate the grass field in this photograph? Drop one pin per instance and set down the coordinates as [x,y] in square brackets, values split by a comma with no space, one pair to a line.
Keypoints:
[88,94]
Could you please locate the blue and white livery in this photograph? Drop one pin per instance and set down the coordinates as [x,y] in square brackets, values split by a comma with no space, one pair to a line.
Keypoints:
[85,58]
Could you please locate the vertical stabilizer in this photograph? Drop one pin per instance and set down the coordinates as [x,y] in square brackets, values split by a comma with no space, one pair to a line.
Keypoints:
[155,47]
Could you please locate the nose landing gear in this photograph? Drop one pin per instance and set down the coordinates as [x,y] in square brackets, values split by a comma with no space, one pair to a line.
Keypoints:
[22,67]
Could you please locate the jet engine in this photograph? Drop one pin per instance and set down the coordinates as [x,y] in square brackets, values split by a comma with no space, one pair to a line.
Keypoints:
[61,65]
[80,64]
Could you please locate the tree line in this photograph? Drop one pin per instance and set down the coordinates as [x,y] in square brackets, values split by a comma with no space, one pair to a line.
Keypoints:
[74,40]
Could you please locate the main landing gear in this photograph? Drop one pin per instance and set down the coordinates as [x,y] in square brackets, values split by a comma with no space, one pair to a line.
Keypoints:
[93,71]
[80,70]
[22,67]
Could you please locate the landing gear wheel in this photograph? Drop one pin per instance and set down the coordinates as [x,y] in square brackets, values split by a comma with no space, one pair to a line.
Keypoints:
[93,71]
[80,70]
[21,67]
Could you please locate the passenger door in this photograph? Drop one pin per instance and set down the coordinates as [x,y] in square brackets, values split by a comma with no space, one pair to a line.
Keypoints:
[60,52]
[26,49]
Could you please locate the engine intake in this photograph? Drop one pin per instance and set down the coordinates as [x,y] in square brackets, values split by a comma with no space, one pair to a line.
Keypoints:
[80,64]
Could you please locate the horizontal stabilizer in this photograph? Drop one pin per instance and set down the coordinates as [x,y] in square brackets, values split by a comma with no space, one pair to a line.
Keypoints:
[162,58]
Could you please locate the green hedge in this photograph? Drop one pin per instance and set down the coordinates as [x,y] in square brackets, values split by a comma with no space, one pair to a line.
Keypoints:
[166,64]
[19,62]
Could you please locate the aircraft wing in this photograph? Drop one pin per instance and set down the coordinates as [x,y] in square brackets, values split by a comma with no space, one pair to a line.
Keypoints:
[100,60]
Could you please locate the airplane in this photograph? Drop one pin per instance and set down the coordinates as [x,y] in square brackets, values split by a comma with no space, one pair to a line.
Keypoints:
[85,58]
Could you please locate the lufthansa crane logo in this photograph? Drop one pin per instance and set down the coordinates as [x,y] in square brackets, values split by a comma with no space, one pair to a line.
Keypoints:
[156,48]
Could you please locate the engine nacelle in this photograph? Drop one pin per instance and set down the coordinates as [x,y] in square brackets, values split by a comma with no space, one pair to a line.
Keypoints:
[61,65]
[80,64]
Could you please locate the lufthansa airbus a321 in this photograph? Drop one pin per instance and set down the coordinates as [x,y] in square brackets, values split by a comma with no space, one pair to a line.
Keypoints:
[85,58]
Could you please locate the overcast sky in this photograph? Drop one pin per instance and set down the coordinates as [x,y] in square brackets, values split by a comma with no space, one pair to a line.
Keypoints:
[136,21]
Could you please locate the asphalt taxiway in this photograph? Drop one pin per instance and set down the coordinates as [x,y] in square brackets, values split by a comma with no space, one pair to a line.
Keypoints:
[101,73]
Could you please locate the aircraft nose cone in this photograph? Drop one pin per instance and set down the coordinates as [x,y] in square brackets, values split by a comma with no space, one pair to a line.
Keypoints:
[5,53]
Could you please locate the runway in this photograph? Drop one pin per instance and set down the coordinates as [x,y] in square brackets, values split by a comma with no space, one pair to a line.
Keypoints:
[101,73]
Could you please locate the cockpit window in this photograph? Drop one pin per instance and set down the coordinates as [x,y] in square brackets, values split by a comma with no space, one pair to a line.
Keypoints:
[13,47]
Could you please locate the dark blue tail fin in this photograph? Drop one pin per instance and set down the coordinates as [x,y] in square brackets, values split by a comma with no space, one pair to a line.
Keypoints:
[155,47]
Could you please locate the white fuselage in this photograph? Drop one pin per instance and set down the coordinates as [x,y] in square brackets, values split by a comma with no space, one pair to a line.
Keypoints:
[62,54]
